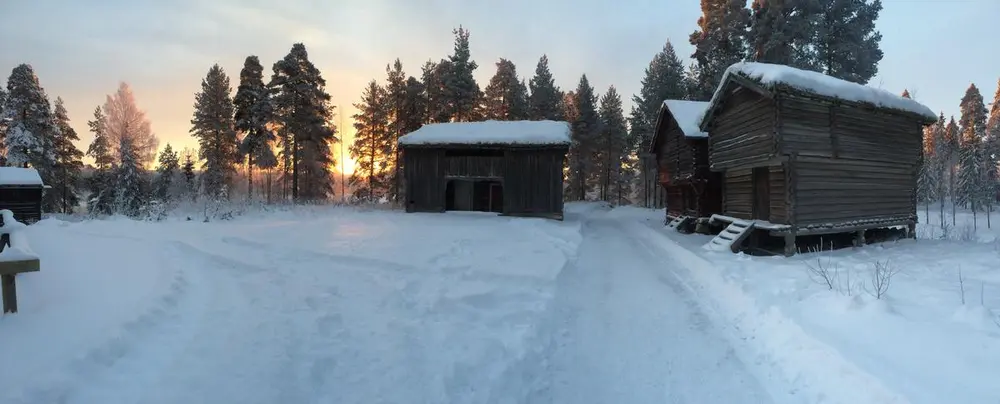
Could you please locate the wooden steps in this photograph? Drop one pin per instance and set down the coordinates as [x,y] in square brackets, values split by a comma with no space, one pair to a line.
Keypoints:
[731,237]
[680,222]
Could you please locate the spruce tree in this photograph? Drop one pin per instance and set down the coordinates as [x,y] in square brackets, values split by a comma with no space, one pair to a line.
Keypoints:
[31,129]
[69,163]
[302,108]
[782,32]
[189,174]
[252,114]
[372,144]
[972,181]
[214,128]
[166,172]
[545,98]
[585,129]
[664,79]
[613,145]
[102,182]
[953,143]
[463,93]
[719,41]
[941,163]
[506,97]
[846,41]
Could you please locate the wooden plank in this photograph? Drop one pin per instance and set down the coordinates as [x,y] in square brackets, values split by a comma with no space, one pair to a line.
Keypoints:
[17,267]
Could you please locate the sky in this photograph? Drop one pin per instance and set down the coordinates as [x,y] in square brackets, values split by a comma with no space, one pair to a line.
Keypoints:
[81,50]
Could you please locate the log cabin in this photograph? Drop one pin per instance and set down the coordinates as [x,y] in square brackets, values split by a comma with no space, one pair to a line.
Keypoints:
[21,192]
[802,153]
[693,191]
[514,168]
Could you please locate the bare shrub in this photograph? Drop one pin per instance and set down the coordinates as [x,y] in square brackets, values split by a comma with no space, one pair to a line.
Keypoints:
[966,233]
[825,272]
[961,284]
[882,273]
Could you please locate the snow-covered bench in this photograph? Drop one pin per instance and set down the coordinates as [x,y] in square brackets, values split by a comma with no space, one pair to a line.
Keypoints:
[15,257]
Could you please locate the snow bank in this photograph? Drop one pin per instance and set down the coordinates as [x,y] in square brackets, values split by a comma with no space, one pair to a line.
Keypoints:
[688,115]
[491,132]
[772,75]
[19,176]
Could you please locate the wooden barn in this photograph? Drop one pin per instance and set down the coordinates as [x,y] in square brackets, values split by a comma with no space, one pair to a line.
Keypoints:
[804,154]
[510,167]
[681,149]
[21,192]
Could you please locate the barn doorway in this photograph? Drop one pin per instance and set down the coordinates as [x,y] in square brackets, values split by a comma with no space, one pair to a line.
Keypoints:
[474,195]
[762,193]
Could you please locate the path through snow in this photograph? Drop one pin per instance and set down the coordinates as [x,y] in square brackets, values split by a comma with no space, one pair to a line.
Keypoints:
[627,331]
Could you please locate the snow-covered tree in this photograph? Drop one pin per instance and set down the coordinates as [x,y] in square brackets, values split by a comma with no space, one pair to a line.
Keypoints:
[188,171]
[64,193]
[252,115]
[952,146]
[613,146]
[129,193]
[102,181]
[302,109]
[585,129]
[214,128]
[545,98]
[124,119]
[463,93]
[719,41]
[783,32]
[506,96]
[372,145]
[972,178]
[846,41]
[30,126]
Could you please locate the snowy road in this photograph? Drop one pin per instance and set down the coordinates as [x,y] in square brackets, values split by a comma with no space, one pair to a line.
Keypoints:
[627,331]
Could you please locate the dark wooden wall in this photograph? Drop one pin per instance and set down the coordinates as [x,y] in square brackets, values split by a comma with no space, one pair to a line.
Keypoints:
[24,202]
[533,182]
[684,169]
[743,131]
[851,163]
[532,178]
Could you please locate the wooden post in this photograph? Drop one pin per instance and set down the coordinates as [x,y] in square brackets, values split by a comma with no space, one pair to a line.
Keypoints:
[859,239]
[911,230]
[9,293]
[790,244]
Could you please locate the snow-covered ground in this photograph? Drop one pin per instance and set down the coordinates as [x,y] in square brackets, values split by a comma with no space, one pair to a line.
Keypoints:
[322,304]
[919,344]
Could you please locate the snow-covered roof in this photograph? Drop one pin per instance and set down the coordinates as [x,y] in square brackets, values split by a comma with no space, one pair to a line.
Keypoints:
[771,75]
[19,176]
[491,132]
[688,115]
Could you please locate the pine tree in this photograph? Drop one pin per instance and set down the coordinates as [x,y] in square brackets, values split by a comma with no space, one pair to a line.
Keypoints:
[372,144]
[252,114]
[941,164]
[102,181]
[129,196]
[719,41]
[585,130]
[189,175]
[435,92]
[545,98]
[302,108]
[953,144]
[166,172]
[462,92]
[973,183]
[664,79]
[68,163]
[123,118]
[846,41]
[214,128]
[31,129]
[614,145]
[506,97]
[782,32]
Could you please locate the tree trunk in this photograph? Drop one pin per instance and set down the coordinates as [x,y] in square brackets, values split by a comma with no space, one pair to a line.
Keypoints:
[250,176]
[295,168]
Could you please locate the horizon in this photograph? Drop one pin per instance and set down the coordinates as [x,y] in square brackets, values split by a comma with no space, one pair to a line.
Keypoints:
[170,47]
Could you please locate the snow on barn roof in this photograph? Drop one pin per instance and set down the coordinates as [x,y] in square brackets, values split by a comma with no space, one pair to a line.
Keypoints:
[19,176]
[490,132]
[772,75]
[688,115]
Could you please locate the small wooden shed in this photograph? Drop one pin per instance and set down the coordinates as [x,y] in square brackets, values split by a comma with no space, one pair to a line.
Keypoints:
[509,167]
[802,153]
[21,193]
[681,150]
